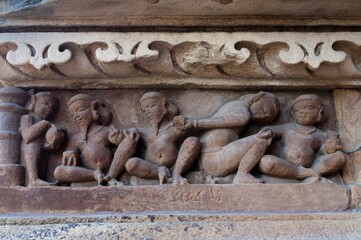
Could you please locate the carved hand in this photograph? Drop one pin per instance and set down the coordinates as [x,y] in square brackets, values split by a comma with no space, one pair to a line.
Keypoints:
[183,123]
[115,135]
[131,135]
[266,133]
[70,158]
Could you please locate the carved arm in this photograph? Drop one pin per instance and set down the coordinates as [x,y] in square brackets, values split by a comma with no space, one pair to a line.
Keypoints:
[30,131]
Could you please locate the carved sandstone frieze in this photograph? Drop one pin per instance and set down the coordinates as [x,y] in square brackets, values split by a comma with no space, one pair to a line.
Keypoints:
[100,60]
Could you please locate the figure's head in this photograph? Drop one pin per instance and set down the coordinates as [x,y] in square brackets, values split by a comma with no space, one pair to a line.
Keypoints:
[43,105]
[156,108]
[83,110]
[265,107]
[307,109]
[332,143]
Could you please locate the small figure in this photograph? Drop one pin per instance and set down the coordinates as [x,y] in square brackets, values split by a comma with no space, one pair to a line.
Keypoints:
[161,141]
[301,141]
[39,135]
[90,153]
[223,153]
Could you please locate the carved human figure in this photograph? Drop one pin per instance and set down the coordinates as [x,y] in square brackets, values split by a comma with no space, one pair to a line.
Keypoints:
[162,140]
[306,152]
[223,153]
[90,156]
[39,135]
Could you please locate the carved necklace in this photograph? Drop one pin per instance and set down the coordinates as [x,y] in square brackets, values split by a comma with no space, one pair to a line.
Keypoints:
[303,131]
[85,138]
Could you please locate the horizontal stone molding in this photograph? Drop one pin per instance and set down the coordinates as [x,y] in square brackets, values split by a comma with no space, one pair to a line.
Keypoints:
[218,59]
[322,196]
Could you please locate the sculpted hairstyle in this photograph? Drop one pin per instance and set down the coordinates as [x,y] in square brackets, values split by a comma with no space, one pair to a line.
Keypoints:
[105,116]
[171,109]
[312,98]
[275,105]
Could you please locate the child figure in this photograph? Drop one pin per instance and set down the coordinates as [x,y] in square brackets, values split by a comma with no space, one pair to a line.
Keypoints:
[301,142]
[39,135]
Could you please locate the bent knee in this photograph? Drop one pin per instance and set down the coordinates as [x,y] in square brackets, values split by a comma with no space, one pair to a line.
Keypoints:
[192,142]
[266,164]
[131,165]
[60,173]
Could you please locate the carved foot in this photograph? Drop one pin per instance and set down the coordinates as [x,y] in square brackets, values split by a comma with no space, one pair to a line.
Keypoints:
[40,183]
[99,177]
[177,179]
[114,182]
[311,180]
[242,178]
[219,180]
[163,174]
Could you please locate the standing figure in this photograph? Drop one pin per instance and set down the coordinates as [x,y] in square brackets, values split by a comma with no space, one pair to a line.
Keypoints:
[302,143]
[39,135]
[90,156]
[223,153]
[162,140]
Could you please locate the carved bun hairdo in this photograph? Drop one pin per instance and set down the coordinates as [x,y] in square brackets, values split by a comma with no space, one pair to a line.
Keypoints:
[36,97]
[275,106]
[171,109]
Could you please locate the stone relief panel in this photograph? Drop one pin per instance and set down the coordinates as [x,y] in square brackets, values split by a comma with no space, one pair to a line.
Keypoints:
[138,137]
[101,60]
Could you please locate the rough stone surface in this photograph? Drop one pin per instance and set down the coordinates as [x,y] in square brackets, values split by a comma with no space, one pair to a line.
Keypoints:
[187,225]
[242,197]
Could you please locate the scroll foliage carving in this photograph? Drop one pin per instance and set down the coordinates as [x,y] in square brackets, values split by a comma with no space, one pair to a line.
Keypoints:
[230,56]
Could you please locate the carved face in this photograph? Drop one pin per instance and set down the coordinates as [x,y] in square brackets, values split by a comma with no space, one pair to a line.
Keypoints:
[262,111]
[44,107]
[332,144]
[81,112]
[306,112]
[153,109]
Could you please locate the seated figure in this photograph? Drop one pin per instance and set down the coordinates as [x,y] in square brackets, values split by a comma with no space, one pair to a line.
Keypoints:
[90,156]
[306,152]
[223,153]
[161,141]
[39,135]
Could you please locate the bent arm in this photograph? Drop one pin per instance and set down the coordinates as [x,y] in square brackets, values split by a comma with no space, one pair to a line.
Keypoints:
[30,131]
[230,121]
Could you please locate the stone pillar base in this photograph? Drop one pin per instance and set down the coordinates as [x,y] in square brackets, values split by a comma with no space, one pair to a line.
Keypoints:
[11,174]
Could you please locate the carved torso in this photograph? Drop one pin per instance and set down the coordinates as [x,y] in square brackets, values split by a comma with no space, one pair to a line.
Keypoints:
[300,147]
[95,151]
[220,137]
[162,148]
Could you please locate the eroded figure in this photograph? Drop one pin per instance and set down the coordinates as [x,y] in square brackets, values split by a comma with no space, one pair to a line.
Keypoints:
[223,153]
[90,156]
[306,153]
[162,140]
[39,135]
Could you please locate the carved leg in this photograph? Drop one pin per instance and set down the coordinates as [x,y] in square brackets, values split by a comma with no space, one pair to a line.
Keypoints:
[330,163]
[70,174]
[188,152]
[32,155]
[144,169]
[278,167]
[250,160]
[225,161]
[124,151]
